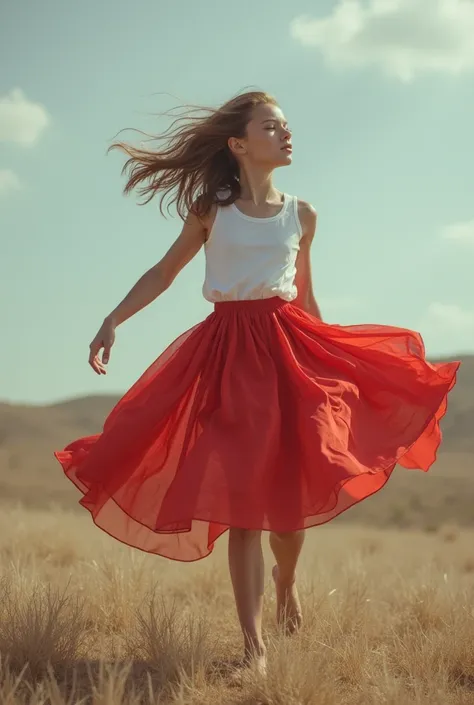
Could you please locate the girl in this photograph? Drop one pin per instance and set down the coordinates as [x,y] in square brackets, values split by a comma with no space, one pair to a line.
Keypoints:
[262,417]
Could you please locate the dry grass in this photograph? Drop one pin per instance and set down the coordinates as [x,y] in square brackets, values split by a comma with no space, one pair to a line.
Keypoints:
[389,620]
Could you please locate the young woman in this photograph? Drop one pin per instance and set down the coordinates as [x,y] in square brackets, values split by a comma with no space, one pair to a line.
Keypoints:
[261,417]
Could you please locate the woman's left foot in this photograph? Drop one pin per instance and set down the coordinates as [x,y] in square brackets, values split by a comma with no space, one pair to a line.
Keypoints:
[289,613]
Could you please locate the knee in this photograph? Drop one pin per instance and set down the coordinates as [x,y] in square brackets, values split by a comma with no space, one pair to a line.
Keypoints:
[237,534]
[288,536]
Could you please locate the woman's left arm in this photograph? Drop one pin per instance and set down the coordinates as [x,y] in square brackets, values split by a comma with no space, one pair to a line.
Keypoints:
[305,299]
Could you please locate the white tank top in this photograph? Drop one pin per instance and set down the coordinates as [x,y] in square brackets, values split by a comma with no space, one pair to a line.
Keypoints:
[252,258]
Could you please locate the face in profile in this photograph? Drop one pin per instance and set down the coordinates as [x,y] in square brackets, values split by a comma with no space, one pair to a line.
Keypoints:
[268,139]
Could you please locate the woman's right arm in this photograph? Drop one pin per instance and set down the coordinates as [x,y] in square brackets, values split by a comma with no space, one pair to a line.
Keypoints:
[153,283]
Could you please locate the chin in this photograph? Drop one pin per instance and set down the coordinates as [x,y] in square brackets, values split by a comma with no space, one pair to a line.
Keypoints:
[283,159]
[286,159]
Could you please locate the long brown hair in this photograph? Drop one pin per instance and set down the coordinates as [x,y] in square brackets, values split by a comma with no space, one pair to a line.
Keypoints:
[195,161]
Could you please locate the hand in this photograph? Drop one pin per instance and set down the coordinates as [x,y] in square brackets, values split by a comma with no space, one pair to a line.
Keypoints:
[105,338]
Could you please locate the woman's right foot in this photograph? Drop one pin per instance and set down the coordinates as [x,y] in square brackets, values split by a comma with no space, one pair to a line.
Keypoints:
[289,613]
[257,658]
[254,660]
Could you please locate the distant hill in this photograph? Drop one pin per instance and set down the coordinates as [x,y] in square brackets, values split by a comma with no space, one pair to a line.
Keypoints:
[29,473]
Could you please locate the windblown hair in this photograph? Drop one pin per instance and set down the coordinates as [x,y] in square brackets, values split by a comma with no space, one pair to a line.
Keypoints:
[194,161]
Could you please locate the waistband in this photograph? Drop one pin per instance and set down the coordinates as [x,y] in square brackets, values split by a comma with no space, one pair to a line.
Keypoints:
[250,305]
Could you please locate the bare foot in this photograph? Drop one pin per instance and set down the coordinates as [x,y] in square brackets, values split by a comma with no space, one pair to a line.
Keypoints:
[251,663]
[289,613]
[257,662]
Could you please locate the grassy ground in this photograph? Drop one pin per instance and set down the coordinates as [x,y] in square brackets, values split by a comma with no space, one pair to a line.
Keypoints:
[389,619]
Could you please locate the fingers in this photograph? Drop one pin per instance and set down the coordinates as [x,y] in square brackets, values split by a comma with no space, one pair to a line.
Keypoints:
[94,360]
[97,365]
[99,342]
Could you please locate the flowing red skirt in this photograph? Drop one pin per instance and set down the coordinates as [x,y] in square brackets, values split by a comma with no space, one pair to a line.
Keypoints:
[260,417]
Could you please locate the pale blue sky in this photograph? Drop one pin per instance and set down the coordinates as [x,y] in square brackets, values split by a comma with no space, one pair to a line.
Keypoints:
[383,145]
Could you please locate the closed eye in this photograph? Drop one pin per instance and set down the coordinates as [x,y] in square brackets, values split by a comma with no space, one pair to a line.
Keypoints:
[273,127]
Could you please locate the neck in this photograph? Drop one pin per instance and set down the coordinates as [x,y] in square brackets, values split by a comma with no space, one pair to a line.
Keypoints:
[256,185]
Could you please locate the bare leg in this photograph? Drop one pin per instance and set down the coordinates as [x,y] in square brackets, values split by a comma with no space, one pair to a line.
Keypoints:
[247,575]
[286,548]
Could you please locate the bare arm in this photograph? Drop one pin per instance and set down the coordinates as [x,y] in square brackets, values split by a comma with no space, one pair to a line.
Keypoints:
[153,283]
[304,283]
[160,277]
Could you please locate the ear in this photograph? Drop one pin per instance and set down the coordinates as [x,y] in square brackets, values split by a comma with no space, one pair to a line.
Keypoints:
[236,146]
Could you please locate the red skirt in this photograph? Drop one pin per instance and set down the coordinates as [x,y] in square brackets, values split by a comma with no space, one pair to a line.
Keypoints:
[260,417]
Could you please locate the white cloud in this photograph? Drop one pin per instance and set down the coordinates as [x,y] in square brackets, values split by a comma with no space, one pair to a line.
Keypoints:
[403,38]
[446,327]
[449,317]
[461,233]
[9,182]
[21,120]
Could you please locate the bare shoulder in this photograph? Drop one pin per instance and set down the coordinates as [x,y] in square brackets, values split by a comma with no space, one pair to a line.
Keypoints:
[208,219]
[308,217]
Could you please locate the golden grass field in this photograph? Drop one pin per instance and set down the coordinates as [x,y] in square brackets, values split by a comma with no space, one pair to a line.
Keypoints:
[389,619]
[387,590]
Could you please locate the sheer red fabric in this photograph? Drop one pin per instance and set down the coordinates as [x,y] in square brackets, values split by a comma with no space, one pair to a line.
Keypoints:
[260,417]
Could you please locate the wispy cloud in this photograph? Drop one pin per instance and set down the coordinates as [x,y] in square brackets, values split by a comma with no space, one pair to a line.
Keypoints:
[21,120]
[460,233]
[9,182]
[403,38]
[449,317]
